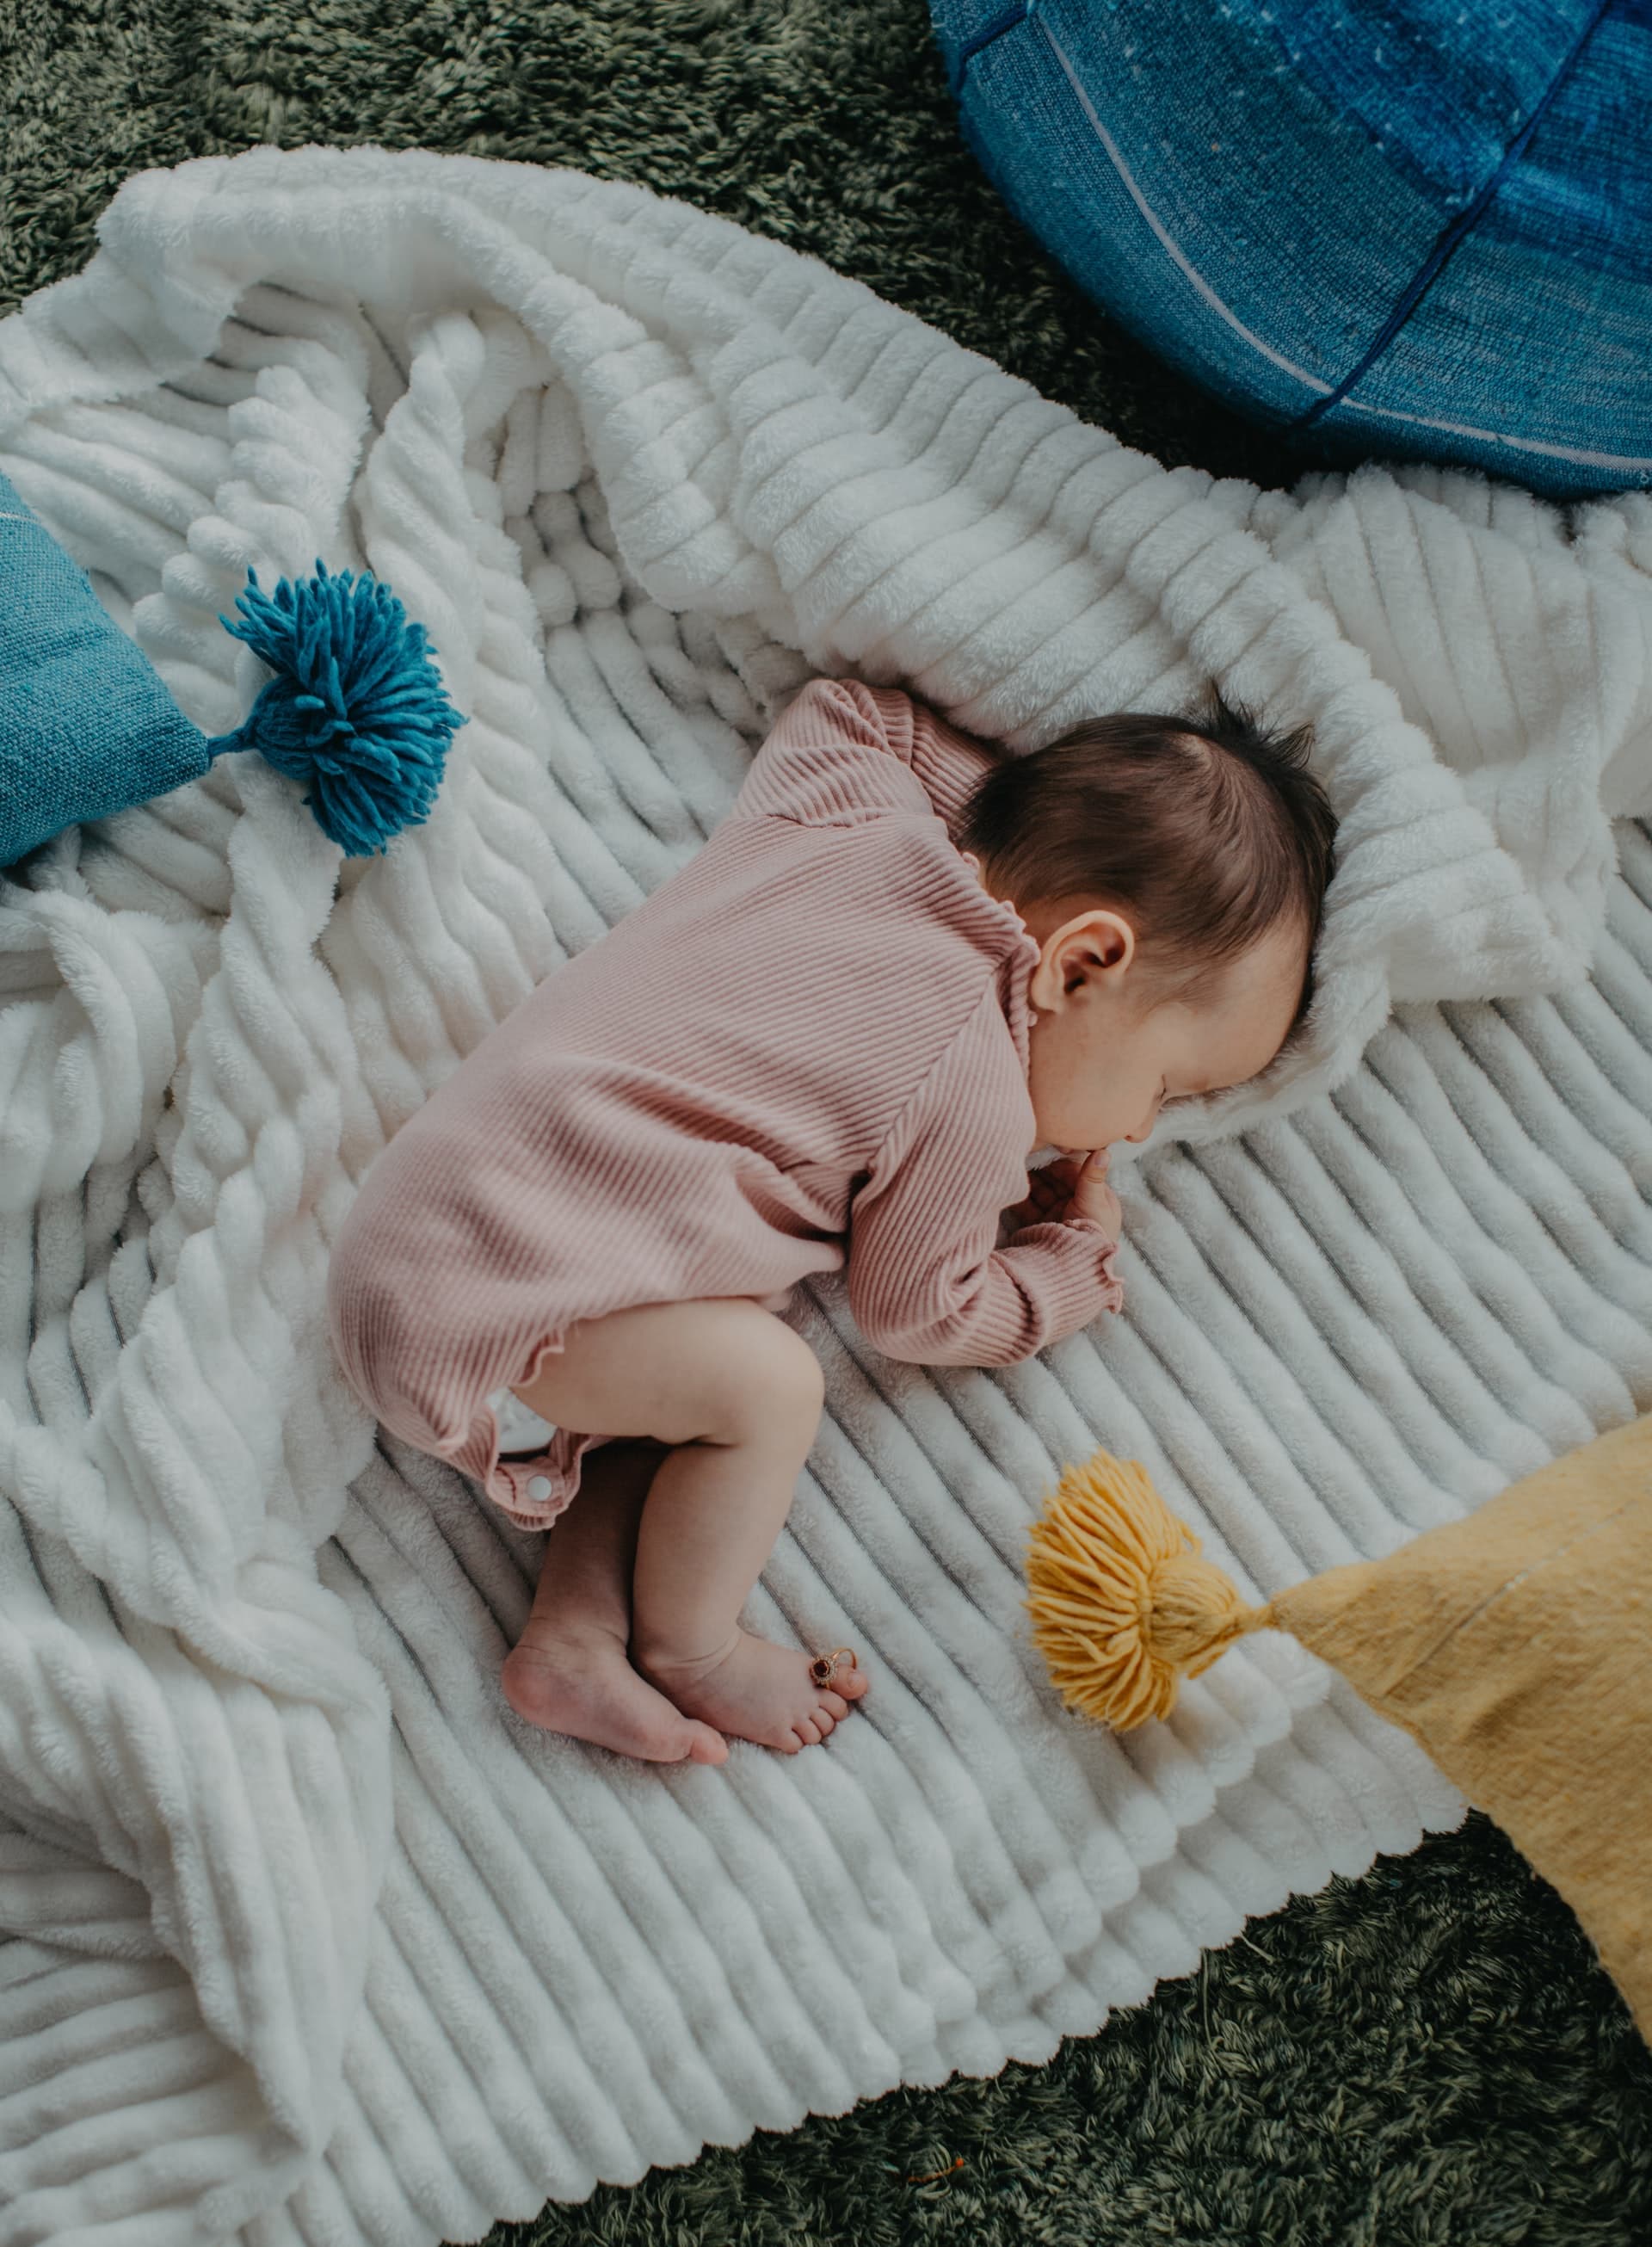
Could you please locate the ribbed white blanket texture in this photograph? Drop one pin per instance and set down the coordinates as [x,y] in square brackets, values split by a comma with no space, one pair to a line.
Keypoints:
[309,1938]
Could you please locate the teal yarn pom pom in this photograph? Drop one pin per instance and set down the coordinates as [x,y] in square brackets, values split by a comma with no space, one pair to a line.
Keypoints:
[356,709]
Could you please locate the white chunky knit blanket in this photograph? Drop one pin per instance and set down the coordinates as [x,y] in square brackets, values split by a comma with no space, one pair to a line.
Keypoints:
[309,1939]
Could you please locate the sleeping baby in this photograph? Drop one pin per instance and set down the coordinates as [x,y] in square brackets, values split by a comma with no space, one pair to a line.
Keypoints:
[903,964]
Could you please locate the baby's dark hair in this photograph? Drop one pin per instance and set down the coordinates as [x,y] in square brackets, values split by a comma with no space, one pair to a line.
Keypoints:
[1206,830]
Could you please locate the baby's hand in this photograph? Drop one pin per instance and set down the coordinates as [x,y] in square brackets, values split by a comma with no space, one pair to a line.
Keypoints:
[1065,1188]
[1094,1198]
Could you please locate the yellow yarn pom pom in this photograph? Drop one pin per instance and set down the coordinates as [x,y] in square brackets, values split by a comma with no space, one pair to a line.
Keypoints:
[1122,1605]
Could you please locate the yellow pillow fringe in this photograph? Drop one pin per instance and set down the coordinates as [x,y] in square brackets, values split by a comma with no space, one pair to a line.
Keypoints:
[1123,1606]
[1513,1644]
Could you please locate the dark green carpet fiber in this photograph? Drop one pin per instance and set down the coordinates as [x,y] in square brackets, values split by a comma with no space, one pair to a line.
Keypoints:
[1428,2057]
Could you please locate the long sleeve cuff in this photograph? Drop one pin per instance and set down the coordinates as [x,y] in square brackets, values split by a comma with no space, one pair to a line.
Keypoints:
[1069,1262]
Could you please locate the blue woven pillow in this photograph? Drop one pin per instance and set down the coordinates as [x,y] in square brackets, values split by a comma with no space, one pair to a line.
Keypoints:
[356,709]
[1407,227]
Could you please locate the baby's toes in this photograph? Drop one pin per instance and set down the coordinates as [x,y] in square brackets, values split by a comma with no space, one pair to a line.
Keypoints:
[834,1706]
[850,1684]
[808,1731]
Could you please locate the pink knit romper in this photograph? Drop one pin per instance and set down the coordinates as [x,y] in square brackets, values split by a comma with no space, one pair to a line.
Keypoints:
[807,1050]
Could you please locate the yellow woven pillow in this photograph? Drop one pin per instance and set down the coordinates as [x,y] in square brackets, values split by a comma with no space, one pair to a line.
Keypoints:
[1515,1646]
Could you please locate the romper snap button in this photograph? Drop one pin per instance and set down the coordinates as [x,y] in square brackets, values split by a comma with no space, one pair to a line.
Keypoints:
[538,1487]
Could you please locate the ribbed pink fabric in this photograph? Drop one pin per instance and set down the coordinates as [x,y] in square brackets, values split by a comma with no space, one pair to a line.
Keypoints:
[808,1047]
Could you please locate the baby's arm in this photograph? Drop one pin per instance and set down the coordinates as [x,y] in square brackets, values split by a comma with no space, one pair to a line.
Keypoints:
[839,746]
[925,1281]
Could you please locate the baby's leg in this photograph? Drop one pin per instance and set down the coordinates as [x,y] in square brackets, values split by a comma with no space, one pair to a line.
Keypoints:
[570,1671]
[737,1395]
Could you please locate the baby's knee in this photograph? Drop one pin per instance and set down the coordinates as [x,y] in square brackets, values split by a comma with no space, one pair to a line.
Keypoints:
[797,1373]
[778,1379]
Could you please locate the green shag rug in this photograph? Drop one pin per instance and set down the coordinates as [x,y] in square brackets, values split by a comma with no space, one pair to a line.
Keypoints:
[1428,2057]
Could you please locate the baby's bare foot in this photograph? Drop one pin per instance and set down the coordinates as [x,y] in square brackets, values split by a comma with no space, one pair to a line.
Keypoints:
[759,1692]
[578,1679]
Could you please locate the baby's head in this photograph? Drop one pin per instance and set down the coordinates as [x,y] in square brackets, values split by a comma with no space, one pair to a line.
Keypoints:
[1173,871]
